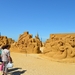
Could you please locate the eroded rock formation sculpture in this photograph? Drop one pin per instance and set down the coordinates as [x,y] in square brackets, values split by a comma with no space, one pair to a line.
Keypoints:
[60,46]
[27,44]
[5,40]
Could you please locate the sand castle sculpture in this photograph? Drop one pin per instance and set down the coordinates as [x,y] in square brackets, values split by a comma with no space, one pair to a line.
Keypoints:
[27,44]
[60,46]
[5,40]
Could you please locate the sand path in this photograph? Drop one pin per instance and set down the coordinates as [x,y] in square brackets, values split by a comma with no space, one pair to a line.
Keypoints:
[32,64]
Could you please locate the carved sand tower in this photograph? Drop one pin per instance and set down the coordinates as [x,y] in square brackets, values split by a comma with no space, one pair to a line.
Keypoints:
[27,44]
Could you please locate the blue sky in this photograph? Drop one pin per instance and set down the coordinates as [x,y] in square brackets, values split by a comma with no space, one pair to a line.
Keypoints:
[42,16]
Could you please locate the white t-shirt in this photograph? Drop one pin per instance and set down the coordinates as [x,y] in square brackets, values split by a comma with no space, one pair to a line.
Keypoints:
[5,54]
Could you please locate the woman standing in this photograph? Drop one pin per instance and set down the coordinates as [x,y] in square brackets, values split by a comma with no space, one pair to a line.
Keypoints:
[5,58]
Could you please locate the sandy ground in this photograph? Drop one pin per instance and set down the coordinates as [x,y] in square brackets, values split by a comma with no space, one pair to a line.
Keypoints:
[33,64]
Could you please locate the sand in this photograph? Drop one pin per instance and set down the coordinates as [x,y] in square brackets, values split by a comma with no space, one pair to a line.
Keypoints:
[33,64]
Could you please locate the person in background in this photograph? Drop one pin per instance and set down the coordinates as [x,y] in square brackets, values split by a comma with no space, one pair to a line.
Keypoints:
[6,58]
[0,54]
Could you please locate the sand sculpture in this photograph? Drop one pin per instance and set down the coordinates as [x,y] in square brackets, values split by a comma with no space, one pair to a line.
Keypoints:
[60,46]
[5,40]
[27,44]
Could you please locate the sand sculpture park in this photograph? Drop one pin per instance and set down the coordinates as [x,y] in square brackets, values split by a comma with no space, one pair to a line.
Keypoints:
[58,46]
[56,56]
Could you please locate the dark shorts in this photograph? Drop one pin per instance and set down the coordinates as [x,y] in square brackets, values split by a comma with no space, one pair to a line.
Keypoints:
[0,59]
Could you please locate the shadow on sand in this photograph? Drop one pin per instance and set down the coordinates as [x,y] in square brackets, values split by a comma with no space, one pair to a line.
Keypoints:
[16,71]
